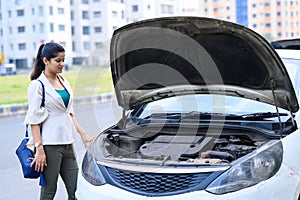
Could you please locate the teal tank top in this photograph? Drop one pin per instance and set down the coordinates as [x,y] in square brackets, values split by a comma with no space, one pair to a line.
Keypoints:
[64,95]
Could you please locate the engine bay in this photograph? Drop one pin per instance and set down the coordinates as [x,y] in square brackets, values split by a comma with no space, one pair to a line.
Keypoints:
[199,149]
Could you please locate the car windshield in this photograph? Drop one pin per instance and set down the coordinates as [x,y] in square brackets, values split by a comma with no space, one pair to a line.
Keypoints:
[219,104]
[206,103]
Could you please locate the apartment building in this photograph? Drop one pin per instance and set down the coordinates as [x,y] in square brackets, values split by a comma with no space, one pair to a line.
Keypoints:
[221,9]
[78,25]
[24,25]
[274,19]
[92,25]
[145,9]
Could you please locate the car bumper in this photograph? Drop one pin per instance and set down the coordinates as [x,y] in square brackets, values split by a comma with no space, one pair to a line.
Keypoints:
[284,185]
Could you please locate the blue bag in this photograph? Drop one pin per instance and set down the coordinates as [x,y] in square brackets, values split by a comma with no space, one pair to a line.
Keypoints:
[26,156]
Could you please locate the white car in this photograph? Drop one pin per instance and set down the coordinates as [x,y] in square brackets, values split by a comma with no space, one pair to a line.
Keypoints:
[209,112]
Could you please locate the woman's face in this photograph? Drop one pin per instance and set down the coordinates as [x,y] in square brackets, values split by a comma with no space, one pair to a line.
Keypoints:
[55,65]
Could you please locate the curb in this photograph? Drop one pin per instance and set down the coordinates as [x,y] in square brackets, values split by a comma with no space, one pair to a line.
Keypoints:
[21,109]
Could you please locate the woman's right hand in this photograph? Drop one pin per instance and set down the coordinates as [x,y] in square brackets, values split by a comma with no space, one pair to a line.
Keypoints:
[39,161]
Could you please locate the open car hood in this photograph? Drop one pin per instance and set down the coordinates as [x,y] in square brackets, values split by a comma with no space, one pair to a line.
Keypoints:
[163,57]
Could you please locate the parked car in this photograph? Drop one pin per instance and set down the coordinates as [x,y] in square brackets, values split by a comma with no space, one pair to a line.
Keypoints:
[8,69]
[287,44]
[209,112]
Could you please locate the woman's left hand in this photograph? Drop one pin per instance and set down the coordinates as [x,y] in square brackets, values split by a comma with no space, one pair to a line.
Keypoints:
[86,139]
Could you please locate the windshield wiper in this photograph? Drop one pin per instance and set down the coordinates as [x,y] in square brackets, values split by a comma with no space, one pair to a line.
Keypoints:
[262,115]
[193,114]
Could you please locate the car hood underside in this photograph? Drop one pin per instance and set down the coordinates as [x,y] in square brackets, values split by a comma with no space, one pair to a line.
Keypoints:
[163,57]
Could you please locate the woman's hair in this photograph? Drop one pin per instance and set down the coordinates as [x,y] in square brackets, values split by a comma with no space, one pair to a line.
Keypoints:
[48,50]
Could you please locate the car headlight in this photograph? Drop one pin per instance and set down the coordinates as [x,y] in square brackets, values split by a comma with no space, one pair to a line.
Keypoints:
[257,166]
[91,171]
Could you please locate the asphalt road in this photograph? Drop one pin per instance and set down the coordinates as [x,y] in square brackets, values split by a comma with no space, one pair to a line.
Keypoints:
[93,118]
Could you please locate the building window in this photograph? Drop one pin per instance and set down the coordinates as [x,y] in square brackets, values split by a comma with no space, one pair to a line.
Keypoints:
[85,1]
[41,27]
[114,13]
[86,30]
[33,28]
[114,27]
[97,14]
[41,11]
[98,29]
[268,25]
[10,30]
[60,11]
[50,10]
[85,14]
[22,46]
[32,11]
[97,0]
[61,27]
[254,15]
[87,45]
[135,8]
[21,29]
[20,13]
[73,46]
[51,27]
[72,15]
[167,9]
[9,13]
[267,15]
[73,30]
[21,63]
[34,45]
[63,44]
[98,44]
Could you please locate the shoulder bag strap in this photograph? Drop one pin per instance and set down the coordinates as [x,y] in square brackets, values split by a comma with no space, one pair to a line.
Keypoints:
[42,105]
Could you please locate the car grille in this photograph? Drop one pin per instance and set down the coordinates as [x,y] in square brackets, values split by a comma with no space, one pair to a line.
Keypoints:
[156,184]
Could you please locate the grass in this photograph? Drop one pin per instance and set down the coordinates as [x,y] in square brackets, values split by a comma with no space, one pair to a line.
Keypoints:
[84,82]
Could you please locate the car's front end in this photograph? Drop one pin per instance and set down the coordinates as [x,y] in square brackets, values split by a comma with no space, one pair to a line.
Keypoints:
[208,113]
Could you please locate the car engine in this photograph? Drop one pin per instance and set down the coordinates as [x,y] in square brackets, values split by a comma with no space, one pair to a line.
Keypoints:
[198,149]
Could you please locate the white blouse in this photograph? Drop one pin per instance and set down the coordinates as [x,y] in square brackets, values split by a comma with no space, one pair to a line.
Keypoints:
[57,125]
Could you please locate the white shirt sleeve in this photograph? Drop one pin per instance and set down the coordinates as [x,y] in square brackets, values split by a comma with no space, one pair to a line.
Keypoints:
[35,113]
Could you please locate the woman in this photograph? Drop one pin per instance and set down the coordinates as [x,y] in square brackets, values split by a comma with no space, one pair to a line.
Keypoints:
[53,145]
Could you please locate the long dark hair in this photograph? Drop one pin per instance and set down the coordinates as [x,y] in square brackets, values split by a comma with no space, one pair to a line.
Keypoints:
[48,50]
